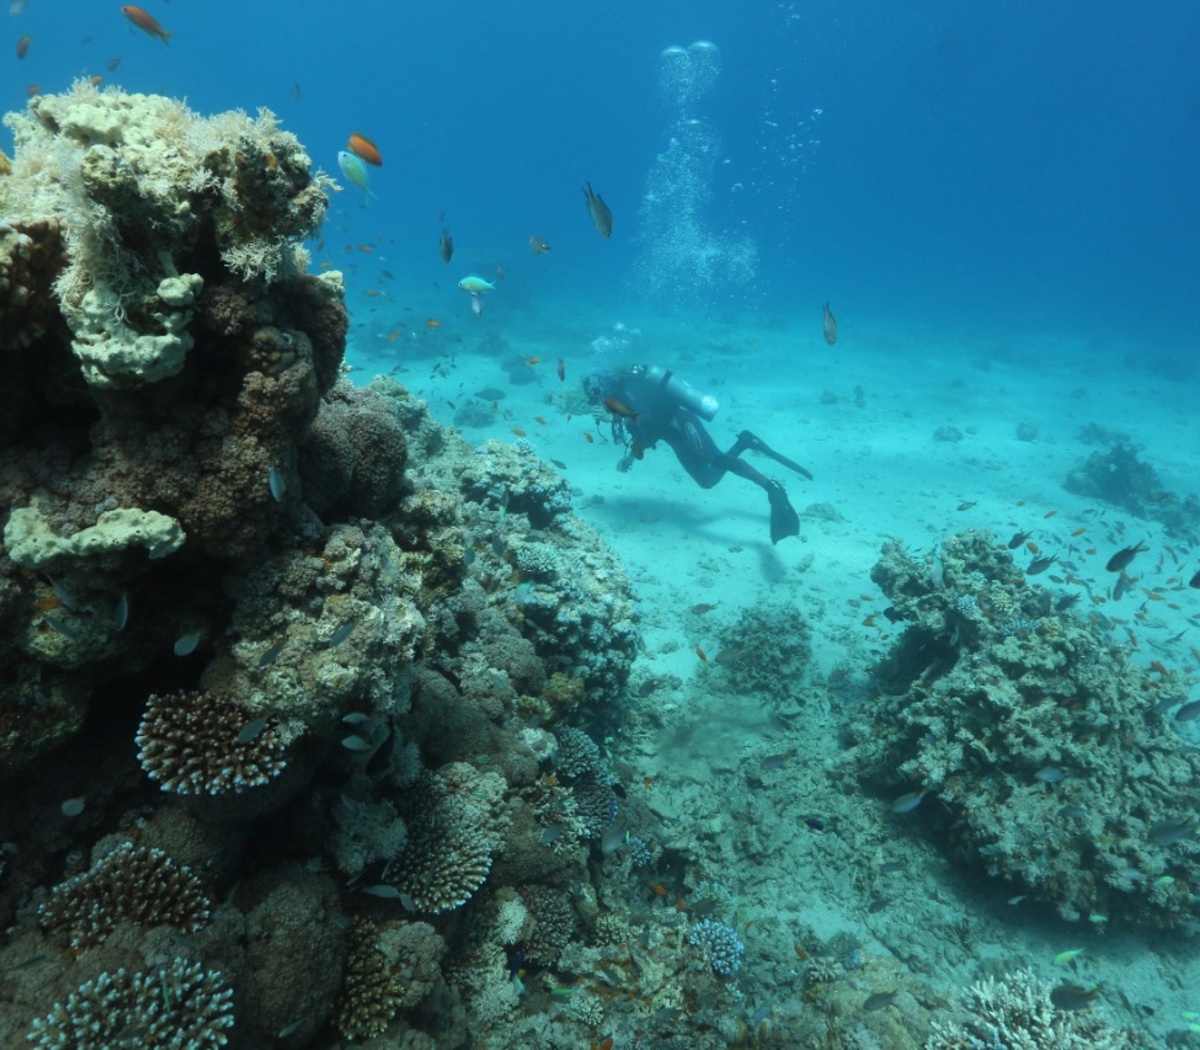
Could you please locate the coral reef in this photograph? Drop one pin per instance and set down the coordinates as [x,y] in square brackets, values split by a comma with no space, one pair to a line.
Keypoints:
[1118,476]
[767,652]
[352,702]
[720,945]
[180,1005]
[1043,749]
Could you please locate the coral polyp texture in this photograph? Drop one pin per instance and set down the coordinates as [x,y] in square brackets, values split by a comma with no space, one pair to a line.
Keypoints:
[131,884]
[196,744]
[1044,749]
[181,1006]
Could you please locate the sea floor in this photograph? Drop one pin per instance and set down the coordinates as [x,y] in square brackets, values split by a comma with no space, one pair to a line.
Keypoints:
[908,433]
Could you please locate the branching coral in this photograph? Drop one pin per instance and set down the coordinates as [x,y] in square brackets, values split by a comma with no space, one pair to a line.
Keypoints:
[178,1007]
[1016,1013]
[449,850]
[370,994]
[130,884]
[195,744]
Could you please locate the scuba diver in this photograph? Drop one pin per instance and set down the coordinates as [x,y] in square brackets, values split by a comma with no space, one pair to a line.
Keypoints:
[651,404]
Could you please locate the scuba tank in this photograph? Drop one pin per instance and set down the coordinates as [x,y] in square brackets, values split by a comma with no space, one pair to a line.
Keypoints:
[679,390]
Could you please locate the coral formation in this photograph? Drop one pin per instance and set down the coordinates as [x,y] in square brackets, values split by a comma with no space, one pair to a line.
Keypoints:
[720,945]
[195,744]
[1044,749]
[767,652]
[130,884]
[1016,1012]
[180,1006]
[371,995]
[314,585]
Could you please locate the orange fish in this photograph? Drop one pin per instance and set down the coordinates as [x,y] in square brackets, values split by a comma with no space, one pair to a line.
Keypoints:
[500,273]
[364,149]
[659,888]
[561,369]
[587,436]
[701,653]
[23,45]
[537,245]
[393,335]
[518,431]
[95,80]
[1079,531]
[366,249]
[433,322]
[541,420]
[619,408]
[33,89]
[532,360]
[145,22]
[829,324]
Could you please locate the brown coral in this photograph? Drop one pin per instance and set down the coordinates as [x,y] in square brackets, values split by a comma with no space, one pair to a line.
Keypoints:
[130,884]
[195,744]
[370,995]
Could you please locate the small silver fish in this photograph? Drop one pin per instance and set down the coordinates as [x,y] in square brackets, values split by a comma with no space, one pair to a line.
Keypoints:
[600,212]
[272,654]
[340,635]
[879,1001]
[121,612]
[1168,832]
[907,803]
[354,742]
[277,483]
[1050,775]
[186,644]
[251,730]
[383,890]
[828,324]
[1188,712]
[72,807]
[355,718]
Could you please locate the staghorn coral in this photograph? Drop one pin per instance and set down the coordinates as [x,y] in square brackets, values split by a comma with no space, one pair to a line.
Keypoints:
[180,1006]
[130,884]
[194,743]
[370,994]
[1016,1013]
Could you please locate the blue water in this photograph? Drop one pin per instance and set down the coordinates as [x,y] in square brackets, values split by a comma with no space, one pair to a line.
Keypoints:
[1017,167]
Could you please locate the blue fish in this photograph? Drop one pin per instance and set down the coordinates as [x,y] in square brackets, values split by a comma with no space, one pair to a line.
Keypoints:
[355,171]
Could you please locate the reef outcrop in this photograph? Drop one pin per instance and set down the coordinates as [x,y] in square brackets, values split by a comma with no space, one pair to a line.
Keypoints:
[267,596]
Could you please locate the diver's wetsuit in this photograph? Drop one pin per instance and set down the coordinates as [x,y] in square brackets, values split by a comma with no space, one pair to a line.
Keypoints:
[658,417]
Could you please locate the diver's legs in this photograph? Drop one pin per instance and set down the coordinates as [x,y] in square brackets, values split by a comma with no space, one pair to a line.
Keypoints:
[747,441]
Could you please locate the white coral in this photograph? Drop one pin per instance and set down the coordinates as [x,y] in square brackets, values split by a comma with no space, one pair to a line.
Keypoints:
[1016,1013]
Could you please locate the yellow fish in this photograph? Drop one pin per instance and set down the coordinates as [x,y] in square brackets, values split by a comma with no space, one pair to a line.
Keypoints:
[600,212]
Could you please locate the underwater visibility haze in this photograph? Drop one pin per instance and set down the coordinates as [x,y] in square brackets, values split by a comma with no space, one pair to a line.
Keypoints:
[660,525]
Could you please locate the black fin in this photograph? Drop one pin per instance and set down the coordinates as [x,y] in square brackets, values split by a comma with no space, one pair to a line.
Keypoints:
[784,519]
